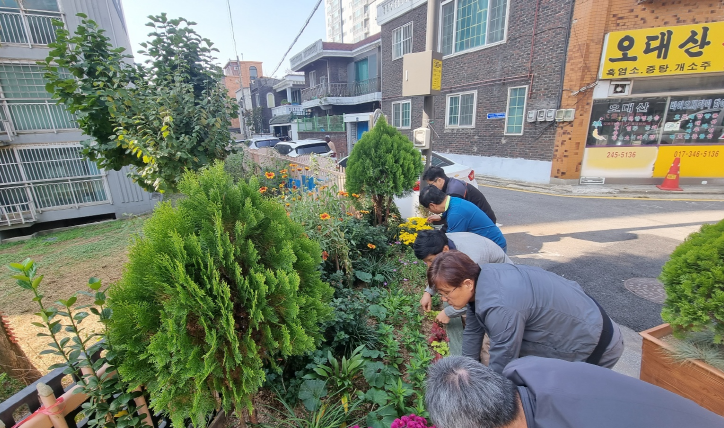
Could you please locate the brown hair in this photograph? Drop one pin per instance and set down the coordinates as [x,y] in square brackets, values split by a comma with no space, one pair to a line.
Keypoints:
[452,268]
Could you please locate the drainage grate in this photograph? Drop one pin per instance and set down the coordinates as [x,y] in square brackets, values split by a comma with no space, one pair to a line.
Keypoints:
[647,288]
[592,180]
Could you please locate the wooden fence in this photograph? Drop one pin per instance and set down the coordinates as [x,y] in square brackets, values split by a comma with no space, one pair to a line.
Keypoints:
[309,169]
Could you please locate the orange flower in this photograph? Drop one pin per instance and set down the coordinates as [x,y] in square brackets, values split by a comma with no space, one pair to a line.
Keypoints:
[288,204]
[269,175]
[294,186]
[262,189]
[284,171]
[324,216]
[349,214]
[342,193]
[371,246]
[285,176]
[325,255]
[281,185]
[364,212]
[306,168]
[299,169]
[310,194]
[355,195]
[293,165]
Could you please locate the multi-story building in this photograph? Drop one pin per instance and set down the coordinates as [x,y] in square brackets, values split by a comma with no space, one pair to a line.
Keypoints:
[349,21]
[646,80]
[43,174]
[502,59]
[283,122]
[264,98]
[238,76]
[342,89]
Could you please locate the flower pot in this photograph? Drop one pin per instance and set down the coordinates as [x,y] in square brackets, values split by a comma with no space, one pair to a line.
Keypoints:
[692,379]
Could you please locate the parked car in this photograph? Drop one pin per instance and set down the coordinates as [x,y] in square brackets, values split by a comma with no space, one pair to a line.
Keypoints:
[259,143]
[303,147]
[408,205]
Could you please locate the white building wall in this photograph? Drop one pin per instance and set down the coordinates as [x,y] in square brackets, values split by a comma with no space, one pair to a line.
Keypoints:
[348,22]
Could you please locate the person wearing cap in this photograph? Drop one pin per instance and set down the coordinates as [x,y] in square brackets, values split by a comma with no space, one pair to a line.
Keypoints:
[525,310]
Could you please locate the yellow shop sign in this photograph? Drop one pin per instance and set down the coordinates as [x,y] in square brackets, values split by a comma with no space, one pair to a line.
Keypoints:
[664,51]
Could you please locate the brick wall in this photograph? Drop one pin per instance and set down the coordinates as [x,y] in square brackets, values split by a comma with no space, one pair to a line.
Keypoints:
[232,85]
[592,21]
[491,71]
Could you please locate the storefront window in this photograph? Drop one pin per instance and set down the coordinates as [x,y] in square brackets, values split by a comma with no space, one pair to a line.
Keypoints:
[657,120]
[694,120]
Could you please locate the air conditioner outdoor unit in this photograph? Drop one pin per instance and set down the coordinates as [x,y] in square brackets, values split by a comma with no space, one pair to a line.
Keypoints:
[421,138]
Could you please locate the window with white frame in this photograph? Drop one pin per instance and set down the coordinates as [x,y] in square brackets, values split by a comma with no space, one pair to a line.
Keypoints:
[470,24]
[460,110]
[25,104]
[270,100]
[401,41]
[401,114]
[515,113]
[312,78]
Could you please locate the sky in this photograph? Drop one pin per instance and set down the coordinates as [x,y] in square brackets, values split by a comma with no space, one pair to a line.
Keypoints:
[264,29]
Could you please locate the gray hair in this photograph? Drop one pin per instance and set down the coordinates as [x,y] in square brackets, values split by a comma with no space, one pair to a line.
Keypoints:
[462,393]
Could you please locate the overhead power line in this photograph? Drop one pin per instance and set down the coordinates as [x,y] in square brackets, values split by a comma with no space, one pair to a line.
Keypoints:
[297,38]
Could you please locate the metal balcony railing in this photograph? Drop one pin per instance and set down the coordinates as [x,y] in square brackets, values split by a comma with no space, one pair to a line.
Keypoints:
[321,124]
[354,89]
[287,109]
[28,28]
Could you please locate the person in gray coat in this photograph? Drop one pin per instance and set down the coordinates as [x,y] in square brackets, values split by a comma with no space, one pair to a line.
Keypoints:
[430,243]
[536,392]
[525,310]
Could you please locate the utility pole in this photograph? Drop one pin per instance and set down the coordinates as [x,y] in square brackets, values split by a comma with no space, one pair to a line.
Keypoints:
[428,108]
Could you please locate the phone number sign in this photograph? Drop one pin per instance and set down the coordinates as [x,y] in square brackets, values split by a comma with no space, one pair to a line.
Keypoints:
[664,51]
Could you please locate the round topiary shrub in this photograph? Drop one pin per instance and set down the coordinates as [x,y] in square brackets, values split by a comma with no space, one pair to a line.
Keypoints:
[694,282]
[383,164]
[216,286]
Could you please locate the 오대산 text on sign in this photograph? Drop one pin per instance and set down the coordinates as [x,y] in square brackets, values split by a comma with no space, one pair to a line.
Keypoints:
[664,51]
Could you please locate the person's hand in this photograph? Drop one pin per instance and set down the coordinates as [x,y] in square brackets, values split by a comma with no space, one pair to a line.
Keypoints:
[426,302]
[442,318]
[434,218]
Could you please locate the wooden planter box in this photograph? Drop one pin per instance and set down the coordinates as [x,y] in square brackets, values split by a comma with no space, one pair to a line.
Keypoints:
[692,379]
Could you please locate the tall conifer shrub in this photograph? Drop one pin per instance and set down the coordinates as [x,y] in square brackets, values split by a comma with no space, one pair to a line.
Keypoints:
[383,164]
[215,287]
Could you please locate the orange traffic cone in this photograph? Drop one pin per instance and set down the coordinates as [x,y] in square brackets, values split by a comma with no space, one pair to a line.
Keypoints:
[671,182]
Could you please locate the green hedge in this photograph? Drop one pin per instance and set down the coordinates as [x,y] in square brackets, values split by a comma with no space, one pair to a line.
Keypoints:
[694,282]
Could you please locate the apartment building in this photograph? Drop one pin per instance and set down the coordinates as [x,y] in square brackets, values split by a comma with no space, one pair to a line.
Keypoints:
[502,59]
[43,174]
[349,21]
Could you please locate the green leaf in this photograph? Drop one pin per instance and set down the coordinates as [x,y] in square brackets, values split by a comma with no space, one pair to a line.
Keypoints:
[94,284]
[377,396]
[311,393]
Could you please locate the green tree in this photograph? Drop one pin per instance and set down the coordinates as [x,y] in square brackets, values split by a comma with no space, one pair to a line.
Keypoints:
[216,287]
[163,118]
[383,164]
[694,282]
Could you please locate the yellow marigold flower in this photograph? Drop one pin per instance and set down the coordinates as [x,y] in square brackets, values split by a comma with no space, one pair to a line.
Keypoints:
[284,171]
[364,212]
[324,216]
[355,195]
[292,165]
[269,175]
[372,246]
[288,204]
[285,176]
[306,168]
[262,189]
[349,214]
[281,185]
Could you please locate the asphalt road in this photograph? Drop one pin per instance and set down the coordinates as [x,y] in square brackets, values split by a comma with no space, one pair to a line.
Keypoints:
[600,243]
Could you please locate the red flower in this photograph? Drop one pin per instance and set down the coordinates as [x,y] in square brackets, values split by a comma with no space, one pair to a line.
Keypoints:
[325,255]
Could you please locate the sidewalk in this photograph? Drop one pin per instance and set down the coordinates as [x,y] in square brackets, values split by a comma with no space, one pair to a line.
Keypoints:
[622,191]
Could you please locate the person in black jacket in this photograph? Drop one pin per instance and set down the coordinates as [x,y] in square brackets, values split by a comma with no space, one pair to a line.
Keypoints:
[435,176]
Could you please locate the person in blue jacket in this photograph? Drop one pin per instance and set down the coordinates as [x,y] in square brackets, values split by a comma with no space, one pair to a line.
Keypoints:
[460,215]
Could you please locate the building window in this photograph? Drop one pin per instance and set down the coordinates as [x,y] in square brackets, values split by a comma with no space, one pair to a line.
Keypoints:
[29,23]
[296,96]
[460,112]
[516,110]
[270,100]
[253,73]
[312,78]
[48,177]
[470,24]
[27,104]
[361,70]
[401,114]
[401,41]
